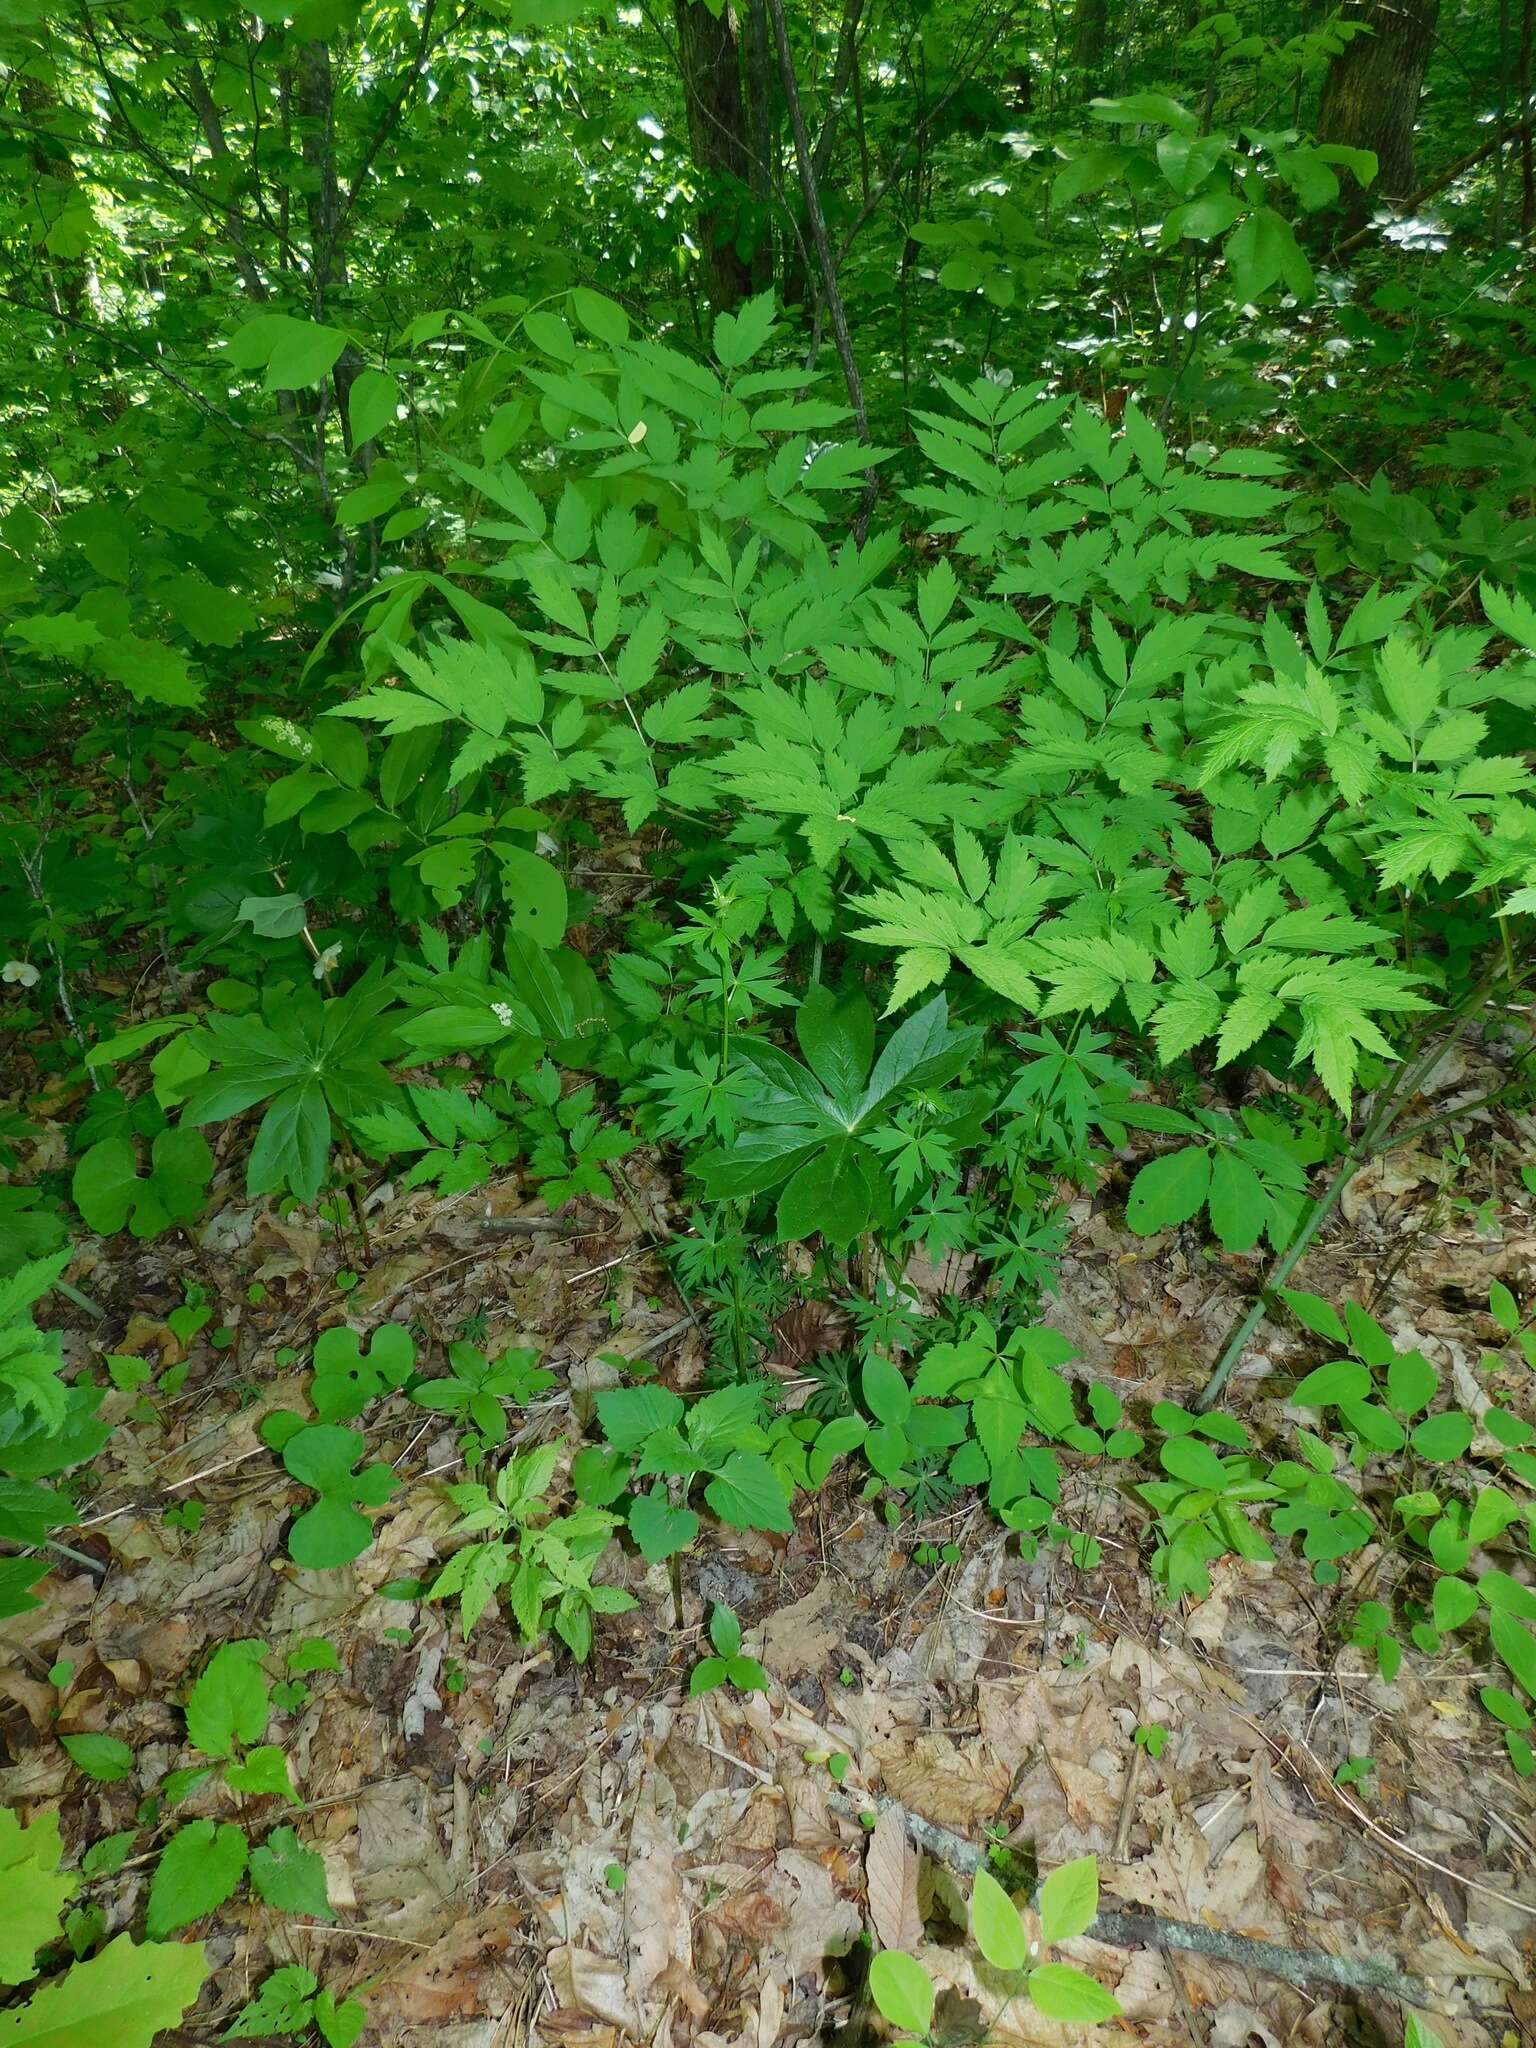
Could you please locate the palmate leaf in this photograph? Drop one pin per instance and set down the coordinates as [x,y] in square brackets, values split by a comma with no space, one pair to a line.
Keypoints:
[35,1890]
[127,1995]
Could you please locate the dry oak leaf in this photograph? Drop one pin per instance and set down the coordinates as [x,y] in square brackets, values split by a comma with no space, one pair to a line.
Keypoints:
[798,1638]
[463,1976]
[933,1776]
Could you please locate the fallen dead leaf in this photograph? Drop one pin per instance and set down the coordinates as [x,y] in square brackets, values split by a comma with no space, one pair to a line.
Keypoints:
[890,1875]
[799,1638]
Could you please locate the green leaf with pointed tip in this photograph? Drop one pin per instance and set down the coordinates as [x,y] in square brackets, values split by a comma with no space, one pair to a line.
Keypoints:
[996,1924]
[230,1703]
[1059,1992]
[263,1775]
[290,1877]
[1169,1190]
[126,1996]
[102,1757]
[746,1492]
[1069,1899]
[660,1529]
[903,1990]
[199,1869]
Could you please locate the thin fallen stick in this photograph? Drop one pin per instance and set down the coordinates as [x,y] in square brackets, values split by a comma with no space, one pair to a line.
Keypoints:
[1401,1848]
[1297,1966]
[1121,1852]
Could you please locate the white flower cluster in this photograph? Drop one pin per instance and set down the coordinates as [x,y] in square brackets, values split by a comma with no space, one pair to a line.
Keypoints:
[502,1012]
[285,730]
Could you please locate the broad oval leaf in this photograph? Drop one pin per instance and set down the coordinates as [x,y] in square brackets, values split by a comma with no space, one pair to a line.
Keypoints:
[902,1989]
[996,1924]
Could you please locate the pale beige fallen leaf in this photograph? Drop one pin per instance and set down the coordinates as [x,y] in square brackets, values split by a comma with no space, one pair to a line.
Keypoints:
[466,1974]
[590,1983]
[818,1922]
[657,1930]
[384,1281]
[890,1877]
[402,1880]
[801,1637]
[37,1699]
[764,2030]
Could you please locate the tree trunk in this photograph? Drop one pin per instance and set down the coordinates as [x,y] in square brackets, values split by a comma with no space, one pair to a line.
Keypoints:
[1527,142]
[762,139]
[1090,45]
[717,133]
[1371,94]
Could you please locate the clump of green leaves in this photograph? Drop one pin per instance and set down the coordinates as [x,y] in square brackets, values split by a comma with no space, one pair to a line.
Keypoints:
[1068,1903]
[727,1666]
[541,1562]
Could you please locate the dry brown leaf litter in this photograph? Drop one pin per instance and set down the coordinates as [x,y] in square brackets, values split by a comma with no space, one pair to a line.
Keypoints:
[470,1834]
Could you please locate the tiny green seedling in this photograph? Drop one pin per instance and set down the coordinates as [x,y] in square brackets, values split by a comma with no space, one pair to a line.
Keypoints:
[728,1666]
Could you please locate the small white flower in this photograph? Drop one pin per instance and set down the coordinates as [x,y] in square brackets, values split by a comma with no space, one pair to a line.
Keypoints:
[637,433]
[19,970]
[327,960]
[502,1012]
[285,730]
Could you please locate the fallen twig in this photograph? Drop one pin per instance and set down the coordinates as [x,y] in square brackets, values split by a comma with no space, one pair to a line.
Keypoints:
[1130,1929]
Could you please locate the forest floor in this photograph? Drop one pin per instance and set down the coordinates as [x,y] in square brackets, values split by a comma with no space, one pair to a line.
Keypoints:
[476,1802]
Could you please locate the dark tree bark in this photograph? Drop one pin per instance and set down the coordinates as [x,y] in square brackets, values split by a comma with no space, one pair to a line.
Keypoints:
[1371,94]
[1527,143]
[717,134]
[1090,44]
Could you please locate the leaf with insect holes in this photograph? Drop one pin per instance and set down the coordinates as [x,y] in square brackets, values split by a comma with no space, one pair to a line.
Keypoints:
[1169,1190]
[125,1996]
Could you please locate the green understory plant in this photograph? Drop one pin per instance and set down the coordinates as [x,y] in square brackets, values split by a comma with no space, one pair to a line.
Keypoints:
[204,1861]
[727,1666]
[293,2001]
[539,1561]
[1067,1905]
[126,1992]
